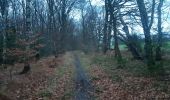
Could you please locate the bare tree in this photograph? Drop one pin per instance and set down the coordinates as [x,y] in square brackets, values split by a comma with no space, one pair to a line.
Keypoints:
[28,33]
[105,30]
[4,13]
[146,29]
[159,42]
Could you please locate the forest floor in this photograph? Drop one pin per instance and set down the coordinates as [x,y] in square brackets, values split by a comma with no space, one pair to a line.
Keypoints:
[79,76]
[50,79]
[128,83]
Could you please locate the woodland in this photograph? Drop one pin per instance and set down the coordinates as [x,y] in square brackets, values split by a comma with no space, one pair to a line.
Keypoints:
[84,49]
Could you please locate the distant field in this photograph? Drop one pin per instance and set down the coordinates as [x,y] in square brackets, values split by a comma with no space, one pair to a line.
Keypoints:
[166,46]
[121,46]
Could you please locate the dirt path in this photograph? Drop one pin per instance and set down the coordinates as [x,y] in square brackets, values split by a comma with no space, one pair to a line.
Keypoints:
[83,86]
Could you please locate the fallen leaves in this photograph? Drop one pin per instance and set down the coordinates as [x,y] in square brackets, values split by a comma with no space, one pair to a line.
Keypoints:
[108,90]
[130,88]
[43,82]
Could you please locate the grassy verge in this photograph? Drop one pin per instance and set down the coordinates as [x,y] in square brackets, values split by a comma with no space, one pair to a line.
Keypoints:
[62,83]
[132,79]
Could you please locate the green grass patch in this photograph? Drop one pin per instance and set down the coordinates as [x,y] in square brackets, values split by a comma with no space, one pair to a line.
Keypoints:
[137,68]
[109,64]
[106,61]
[117,78]
[85,61]
[166,45]
[161,86]
[45,93]
[121,47]
[68,94]
[62,70]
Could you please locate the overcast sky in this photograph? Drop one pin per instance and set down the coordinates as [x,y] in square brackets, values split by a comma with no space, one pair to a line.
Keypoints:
[99,3]
[166,21]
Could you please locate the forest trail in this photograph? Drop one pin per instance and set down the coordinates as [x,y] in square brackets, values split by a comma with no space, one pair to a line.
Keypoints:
[83,85]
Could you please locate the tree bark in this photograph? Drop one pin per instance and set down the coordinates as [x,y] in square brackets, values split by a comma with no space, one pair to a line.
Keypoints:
[4,13]
[135,53]
[105,38]
[148,42]
[113,18]
[159,42]
[28,33]
[117,50]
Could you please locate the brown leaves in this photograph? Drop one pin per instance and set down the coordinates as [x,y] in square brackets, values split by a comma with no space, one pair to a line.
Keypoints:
[15,52]
[30,86]
[43,82]
[130,88]
[109,90]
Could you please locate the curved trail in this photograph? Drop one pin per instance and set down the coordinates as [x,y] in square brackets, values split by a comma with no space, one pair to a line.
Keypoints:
[83,86]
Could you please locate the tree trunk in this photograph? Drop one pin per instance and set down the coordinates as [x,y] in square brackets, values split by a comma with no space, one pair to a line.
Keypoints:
[159,42]
[132,48]
[117,50]
[4,13]
[28,33]
[105,46]
[4,39]
[148,42]
[113,17]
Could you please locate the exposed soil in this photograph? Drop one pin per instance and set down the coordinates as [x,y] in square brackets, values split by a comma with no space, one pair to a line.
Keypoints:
[83,86]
